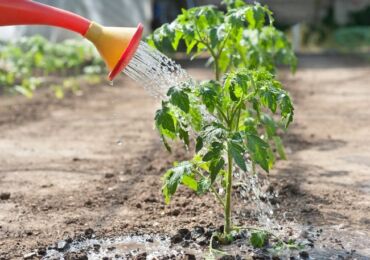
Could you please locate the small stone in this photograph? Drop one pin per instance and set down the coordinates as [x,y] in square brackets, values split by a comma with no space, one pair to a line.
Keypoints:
[185,233]
[150,240]
[4,196]
[62,245]
[138,205]
[304,254]
[29,255]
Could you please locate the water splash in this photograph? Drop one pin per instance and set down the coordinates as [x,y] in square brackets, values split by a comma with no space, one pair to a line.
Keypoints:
[155,71]
[251,190]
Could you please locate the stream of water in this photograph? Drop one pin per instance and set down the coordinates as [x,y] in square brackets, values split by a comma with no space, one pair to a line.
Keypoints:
[155,71]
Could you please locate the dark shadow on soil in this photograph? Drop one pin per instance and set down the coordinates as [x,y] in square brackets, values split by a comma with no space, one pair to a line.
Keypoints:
[297,143]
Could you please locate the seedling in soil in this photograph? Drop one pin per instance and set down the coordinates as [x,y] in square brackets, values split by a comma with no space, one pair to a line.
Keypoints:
[233,119]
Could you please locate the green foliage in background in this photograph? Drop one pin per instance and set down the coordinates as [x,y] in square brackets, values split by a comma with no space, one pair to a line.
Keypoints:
[354,38]
[234,119]
[25,64]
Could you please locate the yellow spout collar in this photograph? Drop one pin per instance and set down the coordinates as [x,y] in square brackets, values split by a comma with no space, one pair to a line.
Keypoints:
[111,42]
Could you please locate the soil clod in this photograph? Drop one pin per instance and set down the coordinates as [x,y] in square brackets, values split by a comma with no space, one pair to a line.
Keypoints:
[176,239]
[304,255]
[76,256]
[4,196]
[89,232]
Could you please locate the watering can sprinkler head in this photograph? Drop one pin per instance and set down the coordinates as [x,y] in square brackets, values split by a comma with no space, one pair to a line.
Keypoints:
[116,45]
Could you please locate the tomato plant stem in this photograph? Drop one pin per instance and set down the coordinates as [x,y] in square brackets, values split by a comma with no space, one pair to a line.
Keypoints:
[228,224]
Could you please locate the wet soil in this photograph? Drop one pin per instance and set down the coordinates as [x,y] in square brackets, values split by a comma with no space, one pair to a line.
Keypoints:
[90,166]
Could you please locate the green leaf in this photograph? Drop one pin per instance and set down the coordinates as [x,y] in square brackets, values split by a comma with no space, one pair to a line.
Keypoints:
[269,125]
[286,107]
[179,98]
[259,151]
[203,185]
[215,167]
[164,119]
[190,182]
[208,92]
[174,177]
[237,152]
[209,156]
[258,239]
[279,147]
[184,135]
[199,144]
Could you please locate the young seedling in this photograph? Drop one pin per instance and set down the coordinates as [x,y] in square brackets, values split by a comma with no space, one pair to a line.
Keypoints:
[230,117]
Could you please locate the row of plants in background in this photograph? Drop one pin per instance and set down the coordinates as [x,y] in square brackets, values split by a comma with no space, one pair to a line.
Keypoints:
[27,63]
[233,119]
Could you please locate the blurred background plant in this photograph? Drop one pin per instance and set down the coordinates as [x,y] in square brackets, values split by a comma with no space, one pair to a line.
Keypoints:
[31,62]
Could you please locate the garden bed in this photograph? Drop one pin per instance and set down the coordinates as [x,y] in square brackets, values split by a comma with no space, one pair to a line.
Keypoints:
[93,161]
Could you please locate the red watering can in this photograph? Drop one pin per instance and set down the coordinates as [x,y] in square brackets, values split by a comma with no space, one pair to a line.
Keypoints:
[116,45]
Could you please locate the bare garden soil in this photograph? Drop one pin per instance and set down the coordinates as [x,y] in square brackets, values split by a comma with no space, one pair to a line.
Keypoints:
[89,166]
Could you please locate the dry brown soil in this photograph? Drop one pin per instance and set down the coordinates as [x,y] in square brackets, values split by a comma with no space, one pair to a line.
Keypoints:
[94,161]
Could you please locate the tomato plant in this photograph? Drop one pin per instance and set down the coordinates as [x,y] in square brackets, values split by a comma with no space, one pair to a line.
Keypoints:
[231,118]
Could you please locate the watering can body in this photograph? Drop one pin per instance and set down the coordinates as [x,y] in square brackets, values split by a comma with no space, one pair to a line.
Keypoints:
[116,45]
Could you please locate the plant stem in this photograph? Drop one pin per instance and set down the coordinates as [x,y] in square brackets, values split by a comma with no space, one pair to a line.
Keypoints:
[217,69]
[228,224]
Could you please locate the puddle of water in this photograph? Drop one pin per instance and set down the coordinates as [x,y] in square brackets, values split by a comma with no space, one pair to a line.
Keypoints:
[334,243]
[123,247]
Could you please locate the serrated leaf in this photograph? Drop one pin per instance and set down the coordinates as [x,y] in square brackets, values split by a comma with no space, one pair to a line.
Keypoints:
[258,239]
[184,136]
[258,150]
[190,182]
[179,98]
[199,144]
[164,120]
[203,185]
[209,156]
[215,167]
[269,125]
[237,153]
[174,177]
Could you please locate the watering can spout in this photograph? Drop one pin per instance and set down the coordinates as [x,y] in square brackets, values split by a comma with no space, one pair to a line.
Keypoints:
[116,45]
[110,41]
